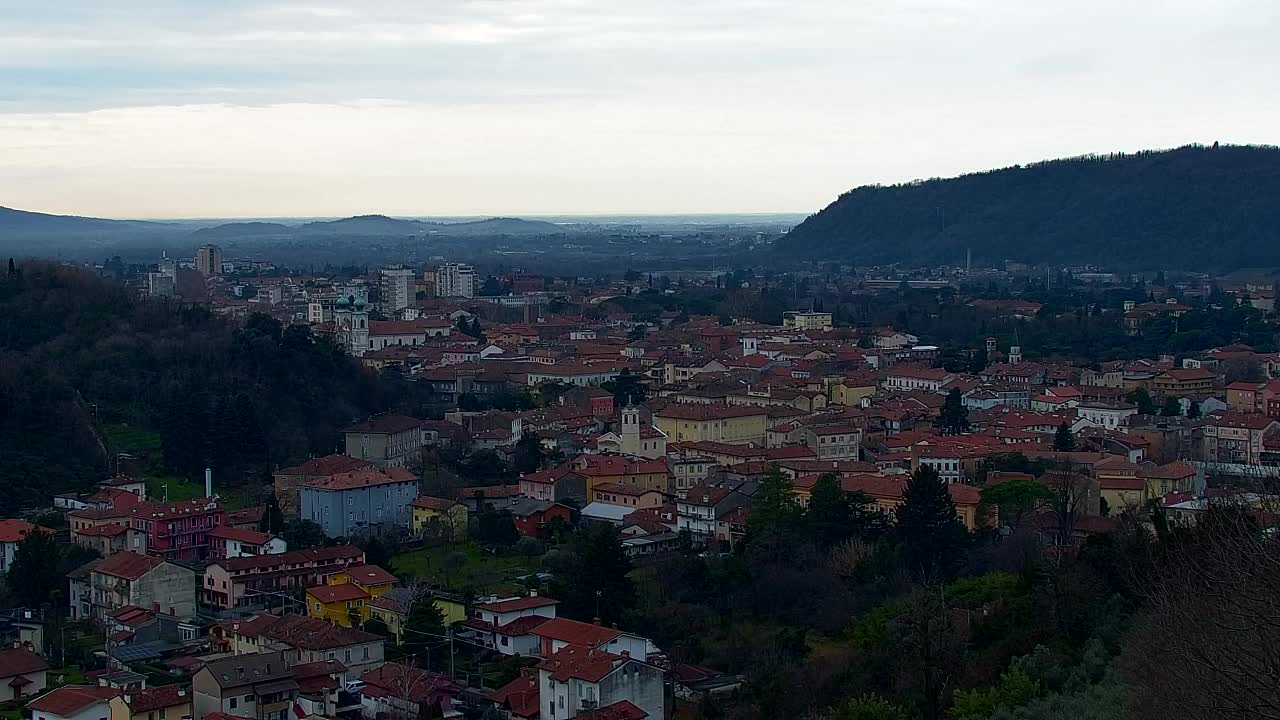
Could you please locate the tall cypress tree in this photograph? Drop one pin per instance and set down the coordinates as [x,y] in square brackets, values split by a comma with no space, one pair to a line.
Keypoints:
[929,533]
[1063,440]
[954,418]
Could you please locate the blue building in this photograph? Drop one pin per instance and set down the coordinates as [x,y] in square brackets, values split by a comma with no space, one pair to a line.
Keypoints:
[361,501]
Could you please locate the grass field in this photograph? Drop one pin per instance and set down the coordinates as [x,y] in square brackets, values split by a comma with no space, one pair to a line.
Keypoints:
[124,438]
[179,488]
[481,571]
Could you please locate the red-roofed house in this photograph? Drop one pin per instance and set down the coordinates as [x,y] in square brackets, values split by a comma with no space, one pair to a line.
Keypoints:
[228,542]
[386,440]
[13,532]
[518,698]
[359,502]
[22,672]
[143,581]
[74,702]
[166,701]
[578,681]
[396,691]
[288,480]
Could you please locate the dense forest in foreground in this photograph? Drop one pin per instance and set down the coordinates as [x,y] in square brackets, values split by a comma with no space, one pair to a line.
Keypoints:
[79,354]
[1191,207]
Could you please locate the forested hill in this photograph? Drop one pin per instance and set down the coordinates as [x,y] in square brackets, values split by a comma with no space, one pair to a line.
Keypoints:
[79,355]
[1193,207]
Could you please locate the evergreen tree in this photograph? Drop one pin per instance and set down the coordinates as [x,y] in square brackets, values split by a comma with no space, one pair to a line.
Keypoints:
[829,517]
[1193,410]
[1172,408]
[1142,398]
[774,505]
[954,418]
[930,535]
[593,578]
[272,519]
[627,389]
[423,627]
[1063,440]
[34,577]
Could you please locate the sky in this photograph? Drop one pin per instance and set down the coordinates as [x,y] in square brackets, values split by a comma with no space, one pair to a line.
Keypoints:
[231,108]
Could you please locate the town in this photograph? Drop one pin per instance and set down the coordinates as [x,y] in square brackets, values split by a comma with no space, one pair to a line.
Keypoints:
[650,495]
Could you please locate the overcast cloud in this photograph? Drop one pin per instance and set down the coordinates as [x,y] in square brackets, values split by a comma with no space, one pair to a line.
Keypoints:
[155,108]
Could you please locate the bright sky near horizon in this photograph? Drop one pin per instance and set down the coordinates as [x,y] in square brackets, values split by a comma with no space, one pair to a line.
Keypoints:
[163,109]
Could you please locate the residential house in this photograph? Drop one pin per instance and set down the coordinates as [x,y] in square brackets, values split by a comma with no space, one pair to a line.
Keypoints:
[346,593]
[733,424]
[318,687]
[1236,438]
[507,626]
[1248,397]
[304,640]
[531,516]
[177,530]
[228,542]
[386,440]
[704,506]
[1174,477]
[556,484]
[393,607]
[74,702]
[578,681]
[647,474]
[12,532]
[246,581]
[917,378]
[288,480]
[403,691]
[1195,383]
[127,578]
[111,537]
[438,518]
[630,496]
[518,699]
[259,686]
[22,673]
[165,702]
[360,502]
[1109,415]
[832,442]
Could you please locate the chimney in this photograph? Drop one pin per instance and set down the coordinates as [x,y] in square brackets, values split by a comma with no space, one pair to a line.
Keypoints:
[182,692]
[533,593]
[128,699]
[208,482]
[595,621]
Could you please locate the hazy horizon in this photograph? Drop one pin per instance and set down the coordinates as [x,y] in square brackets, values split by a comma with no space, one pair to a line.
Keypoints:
[332,108]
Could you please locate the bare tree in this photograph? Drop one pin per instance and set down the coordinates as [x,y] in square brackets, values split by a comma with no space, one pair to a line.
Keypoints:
[931,646]
[1074,494]
[1209,645]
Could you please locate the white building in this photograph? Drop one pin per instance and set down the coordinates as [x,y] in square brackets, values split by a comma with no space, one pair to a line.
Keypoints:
[454,280]
[1105,414]
[397,289]
[74,702]
[807,320]
[579,679]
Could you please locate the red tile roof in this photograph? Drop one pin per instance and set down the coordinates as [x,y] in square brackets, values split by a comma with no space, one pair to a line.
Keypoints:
[345,592]
[105,530]
[369,575]
[249,537]
[69,700]
[362,478]
[621,710]
[164,696]
[699,411]
[20,661]
[579,662]
[520,696]
[321,556]
[522,626]
[426,502]
[386,424]
[128,565]
[327,465]
[577,633]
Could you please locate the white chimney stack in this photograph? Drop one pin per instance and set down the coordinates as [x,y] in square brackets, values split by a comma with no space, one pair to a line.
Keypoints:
[208,482]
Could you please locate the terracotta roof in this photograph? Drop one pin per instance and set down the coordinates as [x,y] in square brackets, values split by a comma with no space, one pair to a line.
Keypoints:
[524,603]
[327,465]
[128,565]
[249,537]
[304,632]
[1171,471]
[104,530]
[345,592]
[621,710]
[704,495]
[324,555]
[386,424]
[577,633]
[1122,483]
[243,516]
[579,662]
[427,502]
[164,696]
[522,626]
[621,489]
[520,696]
[362,478]
[20,661]
[711,411]
[369,575]
[69,700]
[409,683]
[789,452]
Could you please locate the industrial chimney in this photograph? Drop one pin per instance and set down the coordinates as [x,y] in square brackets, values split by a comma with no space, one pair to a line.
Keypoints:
[208,482]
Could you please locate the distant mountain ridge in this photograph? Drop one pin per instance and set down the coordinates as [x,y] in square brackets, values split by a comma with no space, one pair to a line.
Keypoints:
[20,227]
[1193,207]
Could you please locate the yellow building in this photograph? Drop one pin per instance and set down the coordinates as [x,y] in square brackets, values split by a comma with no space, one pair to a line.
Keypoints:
[632,472]
[850,392]
[440,518]
[391,610]
[165,702]
[693,422]
[345,595]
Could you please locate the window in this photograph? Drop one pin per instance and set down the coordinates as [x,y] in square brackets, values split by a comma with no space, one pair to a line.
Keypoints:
[346,656]
[162,714]
[366,652]
[233,703]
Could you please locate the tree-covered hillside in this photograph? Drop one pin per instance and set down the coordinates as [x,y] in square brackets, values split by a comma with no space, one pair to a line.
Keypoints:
[1192,207]
[78,354]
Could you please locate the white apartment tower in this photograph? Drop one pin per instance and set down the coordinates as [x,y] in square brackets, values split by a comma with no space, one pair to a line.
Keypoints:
[455,281]
[397,289]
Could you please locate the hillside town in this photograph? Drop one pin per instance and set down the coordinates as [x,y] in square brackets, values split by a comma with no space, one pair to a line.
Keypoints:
[482,552]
